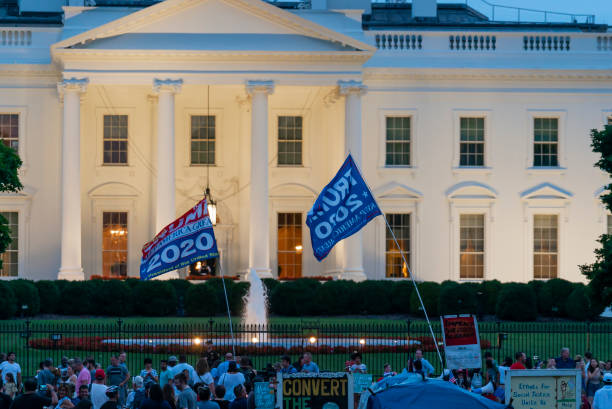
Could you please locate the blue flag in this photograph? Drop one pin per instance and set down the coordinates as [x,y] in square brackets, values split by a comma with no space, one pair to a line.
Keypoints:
[188,239]
[344,206]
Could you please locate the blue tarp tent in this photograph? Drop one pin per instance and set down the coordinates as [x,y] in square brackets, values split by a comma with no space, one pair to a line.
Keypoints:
[429,394]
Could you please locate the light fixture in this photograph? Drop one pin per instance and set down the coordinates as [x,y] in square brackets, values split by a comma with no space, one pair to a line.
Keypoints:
[254,340]
[312,340]
[362,341]
[211,206]
[197,341]
[299,248]
[198,265]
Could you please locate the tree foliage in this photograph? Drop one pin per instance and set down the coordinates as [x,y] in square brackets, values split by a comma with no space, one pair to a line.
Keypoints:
[9,182]
[600,272]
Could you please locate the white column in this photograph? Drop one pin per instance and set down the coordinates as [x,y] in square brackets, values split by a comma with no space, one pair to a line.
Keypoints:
[352,266]
[71,268]
[259,226]
[165,208]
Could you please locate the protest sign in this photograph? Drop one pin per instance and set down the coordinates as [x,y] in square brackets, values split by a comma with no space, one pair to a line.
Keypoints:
[332,390]
[264,396]
[361,382]
[544,388]
[461,341]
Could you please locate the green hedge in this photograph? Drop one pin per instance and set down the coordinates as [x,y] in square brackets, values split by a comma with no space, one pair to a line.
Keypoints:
[303,297]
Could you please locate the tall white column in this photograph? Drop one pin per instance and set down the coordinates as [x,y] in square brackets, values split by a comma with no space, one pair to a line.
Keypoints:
[165,208]
[71,268]
[165,211]
[259,226]
[352,268]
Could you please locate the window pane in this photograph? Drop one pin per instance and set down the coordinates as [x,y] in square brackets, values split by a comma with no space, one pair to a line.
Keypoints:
[115,145]
[9,130]
[397,141]
[545,246]
[203,135]
[290,140]
[471,246]
[546,140]
[290,248]
[10,258]
[394,264]
[114,244]
[471,142]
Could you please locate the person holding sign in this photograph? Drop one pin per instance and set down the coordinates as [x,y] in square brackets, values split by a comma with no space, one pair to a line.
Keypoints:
[357,366]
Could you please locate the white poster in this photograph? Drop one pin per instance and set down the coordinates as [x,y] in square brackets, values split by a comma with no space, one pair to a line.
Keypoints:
[461,341]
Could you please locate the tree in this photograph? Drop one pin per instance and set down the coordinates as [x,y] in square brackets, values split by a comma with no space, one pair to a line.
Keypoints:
[600,272]
[9,182]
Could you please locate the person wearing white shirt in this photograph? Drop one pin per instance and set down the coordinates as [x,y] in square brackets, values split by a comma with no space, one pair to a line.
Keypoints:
[181,367]
[603,397]
[10,366]
[428,368]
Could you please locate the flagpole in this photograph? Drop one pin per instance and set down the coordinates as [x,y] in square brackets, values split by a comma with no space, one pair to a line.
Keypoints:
[406,263]
[229,315]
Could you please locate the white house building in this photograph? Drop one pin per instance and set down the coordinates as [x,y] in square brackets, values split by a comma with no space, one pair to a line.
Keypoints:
[472,133]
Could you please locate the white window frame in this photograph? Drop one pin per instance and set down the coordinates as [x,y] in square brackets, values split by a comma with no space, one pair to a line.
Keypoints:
[100,112]
[487,115]
[411,113]
[22,111]
[273,139]
[605,115]
[561,116]
[21,203]
[545,204]
[219,137]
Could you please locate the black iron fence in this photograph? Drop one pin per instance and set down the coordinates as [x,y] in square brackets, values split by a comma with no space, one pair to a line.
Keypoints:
[330,344]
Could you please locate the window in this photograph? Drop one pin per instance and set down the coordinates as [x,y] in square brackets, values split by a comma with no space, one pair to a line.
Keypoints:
[471,142]
[9,130]
[114,244]
[472,250]
[546,142]
[290,140]
[397,141]
[115,140]
[203,137]
[545,246]
[10,262]
[609,220]
[289,245]
[609,120]
[394,264]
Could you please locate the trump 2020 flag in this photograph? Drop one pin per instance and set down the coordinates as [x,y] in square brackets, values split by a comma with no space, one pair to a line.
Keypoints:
[344,206]
[188,239]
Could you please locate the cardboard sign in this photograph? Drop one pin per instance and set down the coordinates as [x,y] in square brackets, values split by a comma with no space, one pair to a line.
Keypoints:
[332,390]
[544,388]
[461,341]
[361,382]
[264,396]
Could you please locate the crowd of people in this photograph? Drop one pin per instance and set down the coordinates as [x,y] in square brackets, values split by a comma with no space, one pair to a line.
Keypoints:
[228,382]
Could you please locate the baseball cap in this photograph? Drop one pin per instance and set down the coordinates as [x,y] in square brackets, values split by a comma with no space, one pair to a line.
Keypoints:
[172,359]
[607,378]
[99,374]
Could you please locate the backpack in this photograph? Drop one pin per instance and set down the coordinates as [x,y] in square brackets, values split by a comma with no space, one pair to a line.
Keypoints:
[139,397]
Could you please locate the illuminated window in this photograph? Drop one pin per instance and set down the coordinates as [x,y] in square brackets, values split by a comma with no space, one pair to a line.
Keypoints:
[10,258]
[394,264]
[9,130]
[546,142]
[545,246]
[471,142]
[289,245]
[397,141]
[115,139]
[290,140]
[472,246]
[114,244]
[203,139]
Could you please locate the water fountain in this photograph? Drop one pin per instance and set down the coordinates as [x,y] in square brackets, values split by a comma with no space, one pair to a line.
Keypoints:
[256,311]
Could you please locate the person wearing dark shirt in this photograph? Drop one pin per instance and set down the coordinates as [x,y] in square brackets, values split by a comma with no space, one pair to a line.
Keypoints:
[211,355]
[155,399]
[520,361]
[32,400]
[240,402]
[220,393]
[564,361]
[113,398]
[5,401]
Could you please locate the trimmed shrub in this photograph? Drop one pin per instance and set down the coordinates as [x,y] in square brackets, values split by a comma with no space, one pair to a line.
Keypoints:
[180,287]
[374,297]
[154,298]
[111,297]
[49,296]
[490,293]
[235,295]
[536,286]
[400,296]
[132,282]
[430,293]
[579,304]
[270,284]
[75,299]
[336,297]
[553,296]
[239,292]
[8,302]
[201,301]
[516,302]
[295,298]
[457,298]
[26,294]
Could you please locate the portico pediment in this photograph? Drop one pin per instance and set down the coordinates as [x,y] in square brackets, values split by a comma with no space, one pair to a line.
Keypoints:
[395,190]
[546,191]
[215,26]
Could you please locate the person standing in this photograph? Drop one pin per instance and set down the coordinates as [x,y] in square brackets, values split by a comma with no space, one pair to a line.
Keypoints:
[564,361]
[211,355]
[240,400]
[46,376]
[520,361]
[187,397]
[428,368]
[10,366]
[204,396]
[230,379]
[165,375]
[603,397]
[137,396]
[286,367]
[593,382]
[118,375]
[83,374]
[203,375]
[309,366]
[113,398]
[98,389]
[357,366]
[155,399]
[184,367]
[32,400]
[148,374]
[222,368]
[169,395]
